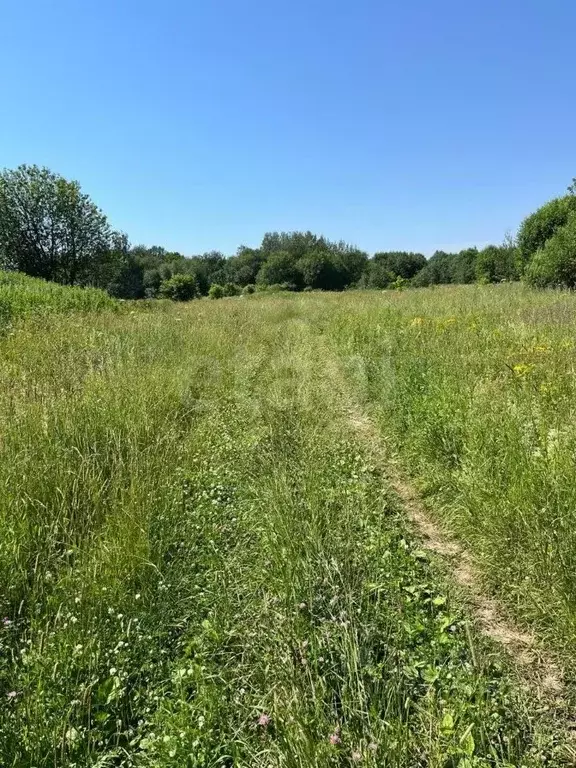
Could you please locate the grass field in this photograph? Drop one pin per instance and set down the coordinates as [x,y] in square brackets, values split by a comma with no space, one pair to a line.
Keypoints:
[203,564]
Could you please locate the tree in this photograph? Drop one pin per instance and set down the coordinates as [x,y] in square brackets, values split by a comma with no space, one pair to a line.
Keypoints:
[50,229]
[179,287]
[496,263]
[554,265]
[280,269]
[385,267]
[319,270]
[245,265]
[539,227]
[211,267]
[401,263]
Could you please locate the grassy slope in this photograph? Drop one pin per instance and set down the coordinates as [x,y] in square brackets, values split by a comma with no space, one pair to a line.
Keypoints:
[21,295]
[192,536]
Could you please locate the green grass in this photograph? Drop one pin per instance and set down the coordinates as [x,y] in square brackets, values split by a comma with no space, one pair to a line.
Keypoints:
[193,539]
[475,387]
[21,295]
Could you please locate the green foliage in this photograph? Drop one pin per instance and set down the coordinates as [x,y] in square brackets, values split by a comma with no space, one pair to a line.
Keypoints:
[554,265]
[280,267]
[539,227]
[386,267]
[248,289]
[497,263]
[180,287]
[230,289]
[50,229]
[216,291]
[244,267]
[21,296]
[444,268]
[319,270]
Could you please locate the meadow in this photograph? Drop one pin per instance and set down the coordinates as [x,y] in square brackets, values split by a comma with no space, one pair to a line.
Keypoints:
[203,562]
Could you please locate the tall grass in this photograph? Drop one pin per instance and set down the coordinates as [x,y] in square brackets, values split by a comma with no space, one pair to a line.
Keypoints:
[21,295]
[201,567]
[476,387]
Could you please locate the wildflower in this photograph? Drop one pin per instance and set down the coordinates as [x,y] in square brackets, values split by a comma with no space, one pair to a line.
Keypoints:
[521,369]
[264,720]
[373,747]
[417,321]
[12,695]
[356,756]
[335,737]
[6,621]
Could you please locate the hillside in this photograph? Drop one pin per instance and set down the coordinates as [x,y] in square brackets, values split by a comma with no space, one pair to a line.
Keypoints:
[21,295]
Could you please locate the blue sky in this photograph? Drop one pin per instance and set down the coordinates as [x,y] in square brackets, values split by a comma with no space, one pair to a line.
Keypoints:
[201,124]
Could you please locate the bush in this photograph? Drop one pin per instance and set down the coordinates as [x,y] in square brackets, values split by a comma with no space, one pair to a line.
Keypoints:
[179,288]
[216,291]
[230,289]
[540,226]
[555,263]
[248,289]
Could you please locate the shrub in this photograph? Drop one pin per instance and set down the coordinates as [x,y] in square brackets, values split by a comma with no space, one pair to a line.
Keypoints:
[230,289]
[248,289]
[555,263]
[539,227]
[216,291]
[179,288]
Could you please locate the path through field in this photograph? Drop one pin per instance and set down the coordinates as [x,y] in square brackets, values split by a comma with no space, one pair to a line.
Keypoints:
[207,564]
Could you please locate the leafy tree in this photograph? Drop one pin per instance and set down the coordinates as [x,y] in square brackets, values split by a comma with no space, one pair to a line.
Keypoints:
[280,267]
[496,263]
[318,270]
[244,267]
[248,289]
[50,229]
[179,287]
[128,280]
[385,267]
[211,267]
[555,263]
[444,268]
[350,261]
[401,263]
[297,244]
[539,227]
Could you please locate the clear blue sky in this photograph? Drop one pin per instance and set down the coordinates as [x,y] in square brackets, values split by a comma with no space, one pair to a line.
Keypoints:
[200,124]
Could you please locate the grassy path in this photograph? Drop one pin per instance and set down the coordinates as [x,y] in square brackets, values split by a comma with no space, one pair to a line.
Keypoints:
[205,566]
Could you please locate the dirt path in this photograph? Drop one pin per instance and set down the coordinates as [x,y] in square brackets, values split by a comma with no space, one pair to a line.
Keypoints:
[538,670]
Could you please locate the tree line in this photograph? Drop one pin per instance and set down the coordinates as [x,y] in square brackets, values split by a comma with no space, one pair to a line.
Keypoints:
[49,228]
